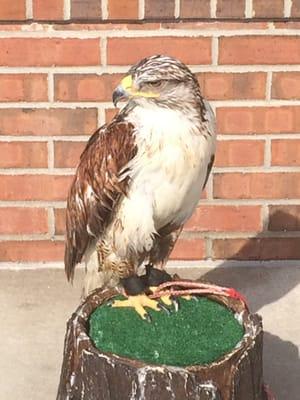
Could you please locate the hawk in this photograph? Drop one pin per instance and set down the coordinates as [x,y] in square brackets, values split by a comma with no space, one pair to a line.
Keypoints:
[139,179]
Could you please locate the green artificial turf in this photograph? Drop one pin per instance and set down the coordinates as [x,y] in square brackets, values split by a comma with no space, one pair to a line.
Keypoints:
[199,333]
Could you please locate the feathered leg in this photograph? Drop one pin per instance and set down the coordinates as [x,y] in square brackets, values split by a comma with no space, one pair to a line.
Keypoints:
[95,276]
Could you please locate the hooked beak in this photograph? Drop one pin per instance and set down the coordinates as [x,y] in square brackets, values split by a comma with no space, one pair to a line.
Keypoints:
[119,94]
[123,91]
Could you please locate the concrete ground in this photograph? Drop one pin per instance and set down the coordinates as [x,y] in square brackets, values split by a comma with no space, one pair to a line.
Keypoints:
[35,305]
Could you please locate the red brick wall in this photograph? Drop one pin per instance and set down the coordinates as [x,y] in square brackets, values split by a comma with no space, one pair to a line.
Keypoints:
[56,80]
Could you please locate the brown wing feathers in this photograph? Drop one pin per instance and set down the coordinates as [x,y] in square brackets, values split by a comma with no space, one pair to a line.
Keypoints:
[96,188]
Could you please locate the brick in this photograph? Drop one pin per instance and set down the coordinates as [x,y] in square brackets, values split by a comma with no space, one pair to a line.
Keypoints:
[18,52]
[159,8]
[67,154]
[230,8]
[188,249]
[48,9]
[256,185]
[286,152]
[18,220]
[268,8]
[128,9]
[34,187]
[195,9]
[219,218]
[190,50]
[58,121]
[258,120]
[240,153]
[12,10]
[229,86]
[257,249]
[60,221]
[90,9]
[31,251]
[284,218]
[295,11]
[23,87]
[285,85]
[85,87]
[267,50]
[110,114]
[23,155]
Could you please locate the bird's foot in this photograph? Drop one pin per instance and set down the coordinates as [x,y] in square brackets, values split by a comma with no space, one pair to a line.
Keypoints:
[167,300]
[138,303]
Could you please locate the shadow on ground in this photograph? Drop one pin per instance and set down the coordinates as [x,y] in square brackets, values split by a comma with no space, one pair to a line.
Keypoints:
[275,294]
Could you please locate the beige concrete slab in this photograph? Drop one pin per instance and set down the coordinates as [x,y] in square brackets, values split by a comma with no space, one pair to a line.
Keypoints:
[35,305]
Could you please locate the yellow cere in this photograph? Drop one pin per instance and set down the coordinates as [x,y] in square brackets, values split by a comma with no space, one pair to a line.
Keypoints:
[127,84]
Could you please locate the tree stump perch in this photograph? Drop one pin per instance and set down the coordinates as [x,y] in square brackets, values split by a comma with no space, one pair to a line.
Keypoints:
[89,374]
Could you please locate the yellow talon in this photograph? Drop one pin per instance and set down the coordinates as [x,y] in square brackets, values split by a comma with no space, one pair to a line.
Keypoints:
[138,303]
[165,299]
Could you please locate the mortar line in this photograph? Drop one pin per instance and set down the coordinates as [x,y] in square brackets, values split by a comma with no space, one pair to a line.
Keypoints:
[254,234]
[215,50]
[38,171]
[104,9]
[32,203]
[249,9]
[10,138]
[67,10]
[267,153]
[259,169]
[269,86]
[103,51]
[191,33]
[177,9]
[81,138]
[265,217]
[141,9]
[273,136]
[213,8]
[202,202]
[50,81]
[50,148]
[287,8]
[208,248]
[25,237]
[107,104]
[101,116]
[29,9]
[209,187]
[51,222]
[115,69]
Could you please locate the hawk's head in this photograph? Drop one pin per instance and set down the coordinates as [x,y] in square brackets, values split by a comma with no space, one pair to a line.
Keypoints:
[160,80]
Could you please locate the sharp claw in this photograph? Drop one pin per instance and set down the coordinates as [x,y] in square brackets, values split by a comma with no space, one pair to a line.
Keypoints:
[147,318]
[176,303]
[164,308]
[196,298]
[109,302]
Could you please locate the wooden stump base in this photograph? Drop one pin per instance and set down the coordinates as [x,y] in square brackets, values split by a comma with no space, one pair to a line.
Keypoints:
[89,374]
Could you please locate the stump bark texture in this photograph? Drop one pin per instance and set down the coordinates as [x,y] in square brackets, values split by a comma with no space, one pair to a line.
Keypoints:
[89,374]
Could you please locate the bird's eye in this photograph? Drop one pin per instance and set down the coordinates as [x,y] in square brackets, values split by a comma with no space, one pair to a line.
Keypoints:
[155,83]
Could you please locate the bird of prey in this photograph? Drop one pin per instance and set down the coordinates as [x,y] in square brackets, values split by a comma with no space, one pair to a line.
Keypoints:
[139,179]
